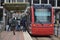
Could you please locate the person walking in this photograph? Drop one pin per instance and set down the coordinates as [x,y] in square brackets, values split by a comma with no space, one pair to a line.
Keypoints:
[18,15]
[23,22]
[13,25]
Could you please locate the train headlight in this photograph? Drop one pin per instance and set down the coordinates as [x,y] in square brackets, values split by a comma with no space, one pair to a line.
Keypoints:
[33,25]
[51,25]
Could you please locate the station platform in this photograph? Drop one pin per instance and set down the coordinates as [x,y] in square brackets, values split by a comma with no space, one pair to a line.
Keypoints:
[19,35]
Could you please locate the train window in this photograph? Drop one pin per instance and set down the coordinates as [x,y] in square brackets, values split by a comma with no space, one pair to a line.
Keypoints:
[1,14]
[42,16]
[44,1]
[52,2]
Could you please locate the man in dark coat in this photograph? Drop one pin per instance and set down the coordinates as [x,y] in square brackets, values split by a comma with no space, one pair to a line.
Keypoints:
[13,25]
[23,21]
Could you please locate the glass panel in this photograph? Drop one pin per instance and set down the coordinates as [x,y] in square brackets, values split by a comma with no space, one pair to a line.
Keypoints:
[19,0]
[44,1]
[52,2]
[58,2]
[42,16]
[7,0]
[36,1]
[59,16]
[13,0]
[2,1]
[26,0]
[1,14]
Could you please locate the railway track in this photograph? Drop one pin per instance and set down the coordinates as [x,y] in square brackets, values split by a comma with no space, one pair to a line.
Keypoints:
[46,38]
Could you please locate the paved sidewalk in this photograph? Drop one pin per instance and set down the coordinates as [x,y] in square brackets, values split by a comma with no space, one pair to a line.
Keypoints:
[9,36]
[19,35]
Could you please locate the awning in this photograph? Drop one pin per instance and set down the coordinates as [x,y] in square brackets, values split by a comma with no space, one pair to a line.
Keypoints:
[15,6]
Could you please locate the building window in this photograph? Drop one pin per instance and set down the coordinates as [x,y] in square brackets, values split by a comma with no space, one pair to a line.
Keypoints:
[26,0]
[19,0]
[52,2]
[1,14]
[7,0]
[58,2]
[10,1]
[44,1]
[1,2]
[36,1]
[13,0]
[59,16]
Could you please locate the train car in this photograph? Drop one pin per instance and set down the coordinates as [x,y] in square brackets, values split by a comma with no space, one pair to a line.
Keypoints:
[40,19]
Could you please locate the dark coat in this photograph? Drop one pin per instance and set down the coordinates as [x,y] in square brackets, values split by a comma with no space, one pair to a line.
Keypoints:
[23,21]
[13,24]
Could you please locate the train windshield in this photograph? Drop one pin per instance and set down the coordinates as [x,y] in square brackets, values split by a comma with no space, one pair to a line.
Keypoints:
[42,16]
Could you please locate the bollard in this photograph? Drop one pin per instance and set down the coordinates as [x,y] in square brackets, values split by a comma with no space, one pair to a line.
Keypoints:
[7,27]
[59,31]
[56,30]
[0,28]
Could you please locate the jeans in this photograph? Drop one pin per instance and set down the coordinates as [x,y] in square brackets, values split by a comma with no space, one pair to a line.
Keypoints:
[18,27]
[24,28]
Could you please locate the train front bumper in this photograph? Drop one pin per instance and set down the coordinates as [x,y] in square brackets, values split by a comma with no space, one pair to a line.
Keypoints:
[43,31]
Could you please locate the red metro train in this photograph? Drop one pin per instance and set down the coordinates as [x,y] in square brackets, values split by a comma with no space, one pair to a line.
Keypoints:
[40,20]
